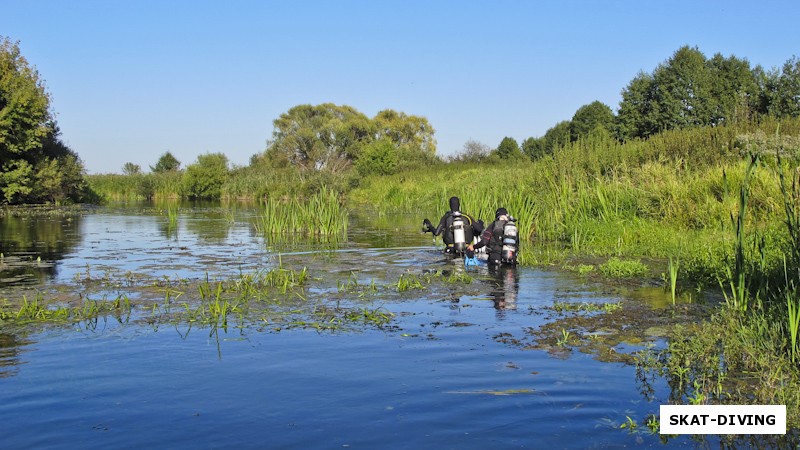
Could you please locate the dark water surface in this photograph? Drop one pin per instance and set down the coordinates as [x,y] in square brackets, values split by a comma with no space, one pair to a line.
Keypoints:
[438,377]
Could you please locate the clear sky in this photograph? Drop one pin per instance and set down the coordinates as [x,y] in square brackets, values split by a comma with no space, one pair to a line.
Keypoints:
[132,79]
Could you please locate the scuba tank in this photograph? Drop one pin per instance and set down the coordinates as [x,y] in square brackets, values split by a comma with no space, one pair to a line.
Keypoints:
[459,237]
[509,251]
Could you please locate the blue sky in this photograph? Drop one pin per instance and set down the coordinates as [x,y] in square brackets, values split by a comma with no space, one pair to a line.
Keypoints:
[131,80]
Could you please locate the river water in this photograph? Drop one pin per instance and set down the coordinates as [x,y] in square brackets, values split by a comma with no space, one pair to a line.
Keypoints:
[457,367]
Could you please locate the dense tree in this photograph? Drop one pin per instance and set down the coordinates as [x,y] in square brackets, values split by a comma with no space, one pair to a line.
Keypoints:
[780,90]
[58,179]
[166,163]
[35,165]
[682,91]
[508,149]
[331,138]
[734,92]
[412,132]
[533,147]
[323,137]
[689,90]
[635,117]
[591,116]
[25,118]
[204,179]
[553,138]
[379,157]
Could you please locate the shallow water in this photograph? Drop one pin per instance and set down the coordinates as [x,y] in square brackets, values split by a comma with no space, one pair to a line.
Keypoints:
[440,376]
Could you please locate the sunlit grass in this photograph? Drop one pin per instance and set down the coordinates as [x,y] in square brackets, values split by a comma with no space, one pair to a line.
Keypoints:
[321,217]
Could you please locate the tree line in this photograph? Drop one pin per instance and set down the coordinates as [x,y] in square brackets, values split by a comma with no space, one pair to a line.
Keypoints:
[687,90]
[331,143]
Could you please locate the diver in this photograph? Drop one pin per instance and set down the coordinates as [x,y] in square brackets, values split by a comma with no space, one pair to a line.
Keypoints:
[501,238]
[457,229]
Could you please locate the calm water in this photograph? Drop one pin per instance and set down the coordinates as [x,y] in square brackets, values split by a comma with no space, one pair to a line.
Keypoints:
[438,377]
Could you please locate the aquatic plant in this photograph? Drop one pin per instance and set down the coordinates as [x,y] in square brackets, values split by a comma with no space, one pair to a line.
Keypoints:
[407,282]
[37,310]
[563,341]
[737,277]
[352,285]
[619,268]
[672,270]
[321,217]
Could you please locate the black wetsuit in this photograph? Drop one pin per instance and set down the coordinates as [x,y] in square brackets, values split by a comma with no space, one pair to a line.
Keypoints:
[492,238]
[472,228]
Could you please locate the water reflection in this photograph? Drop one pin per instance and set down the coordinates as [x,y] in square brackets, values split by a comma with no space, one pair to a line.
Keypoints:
[505,286]
[30,246]
[11,347]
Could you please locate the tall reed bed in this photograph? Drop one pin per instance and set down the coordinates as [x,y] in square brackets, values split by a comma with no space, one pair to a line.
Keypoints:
[114,187]
[321,217]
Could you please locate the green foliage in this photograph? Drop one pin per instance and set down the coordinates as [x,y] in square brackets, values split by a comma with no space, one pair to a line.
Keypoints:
[557,136]
[412,132]
[689,90]
[620,268]
[58,179]
[378,158]
[322,137]
[331,138]
[205,178]
[508,149]
[321,217]
[16,180]
[166,163]
[779,91]
[590,117]
[25,118]
[130,168]
[35,166]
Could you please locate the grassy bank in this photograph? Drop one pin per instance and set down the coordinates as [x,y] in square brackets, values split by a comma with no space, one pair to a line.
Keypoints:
[721,208]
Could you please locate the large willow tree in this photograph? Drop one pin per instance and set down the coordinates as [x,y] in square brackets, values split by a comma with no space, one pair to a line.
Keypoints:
[332,138]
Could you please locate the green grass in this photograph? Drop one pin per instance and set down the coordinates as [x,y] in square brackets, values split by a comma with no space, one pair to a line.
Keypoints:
[620,268]
[321,217]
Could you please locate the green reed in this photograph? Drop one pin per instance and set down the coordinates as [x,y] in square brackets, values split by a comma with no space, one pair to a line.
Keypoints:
[792,315]
[672,270]
[321,217]
[38,310]
[407,282]
[737,278]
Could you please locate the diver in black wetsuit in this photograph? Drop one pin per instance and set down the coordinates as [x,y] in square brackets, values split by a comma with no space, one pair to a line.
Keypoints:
[457,229]
[500,238]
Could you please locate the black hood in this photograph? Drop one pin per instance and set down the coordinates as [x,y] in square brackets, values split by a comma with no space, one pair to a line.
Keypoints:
[455,204]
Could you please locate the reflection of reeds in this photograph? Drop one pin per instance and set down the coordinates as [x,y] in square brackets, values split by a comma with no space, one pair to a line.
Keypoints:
[172,217]
[321,217]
